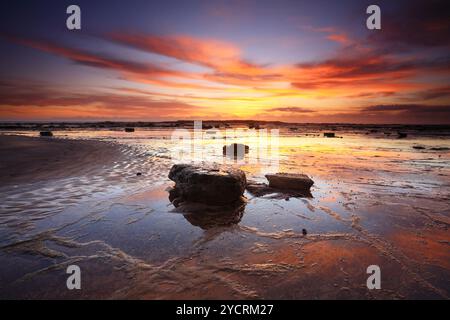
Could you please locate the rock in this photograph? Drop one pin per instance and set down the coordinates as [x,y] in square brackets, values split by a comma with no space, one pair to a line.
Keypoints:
[46,134]
[129,129]
[401,135]
[304,232]
[290,181]
[139,174]
[210,185]
[440,149]
[418,147]
[329,134]
[235,149]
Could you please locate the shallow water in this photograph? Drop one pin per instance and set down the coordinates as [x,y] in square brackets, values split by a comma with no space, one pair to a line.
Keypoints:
[375,200]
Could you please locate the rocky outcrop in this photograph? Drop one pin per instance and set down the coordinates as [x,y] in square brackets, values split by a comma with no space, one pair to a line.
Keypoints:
[235,149]
[210,185]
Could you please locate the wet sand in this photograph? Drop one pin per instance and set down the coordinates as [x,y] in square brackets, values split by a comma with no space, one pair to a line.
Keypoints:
[29,159]
[387,207]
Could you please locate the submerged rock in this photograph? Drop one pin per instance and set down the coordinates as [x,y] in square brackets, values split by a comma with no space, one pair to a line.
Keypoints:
[46,134]
[291,181]
[235,149]
[210,185]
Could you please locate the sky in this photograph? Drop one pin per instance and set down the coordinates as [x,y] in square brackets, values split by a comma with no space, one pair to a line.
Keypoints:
[293,61]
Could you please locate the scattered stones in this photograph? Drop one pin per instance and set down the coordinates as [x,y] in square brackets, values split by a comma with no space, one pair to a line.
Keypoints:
[46,134]
[291,181]
[210,185]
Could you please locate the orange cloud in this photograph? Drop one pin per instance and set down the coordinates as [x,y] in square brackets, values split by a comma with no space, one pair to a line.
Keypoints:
[341,38]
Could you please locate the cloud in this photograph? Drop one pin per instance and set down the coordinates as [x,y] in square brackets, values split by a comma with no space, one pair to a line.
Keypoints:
[42,102]
[218,55]
[374,94]
[410,108]
[293,109]
[433,93]
[352,70]
[339,37]
[95,59]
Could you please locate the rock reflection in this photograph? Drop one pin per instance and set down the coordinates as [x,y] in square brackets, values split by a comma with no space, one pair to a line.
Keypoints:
[209,216]
[262,190]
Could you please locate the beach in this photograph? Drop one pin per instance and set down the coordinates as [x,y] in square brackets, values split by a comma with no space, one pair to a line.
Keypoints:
[99,199]
[33,159]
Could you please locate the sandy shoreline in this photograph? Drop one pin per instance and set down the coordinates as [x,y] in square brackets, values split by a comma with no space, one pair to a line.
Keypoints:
[33,159]
[67,201]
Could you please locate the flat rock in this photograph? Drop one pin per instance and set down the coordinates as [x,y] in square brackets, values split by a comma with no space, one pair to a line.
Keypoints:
[210,185]
[291,181]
